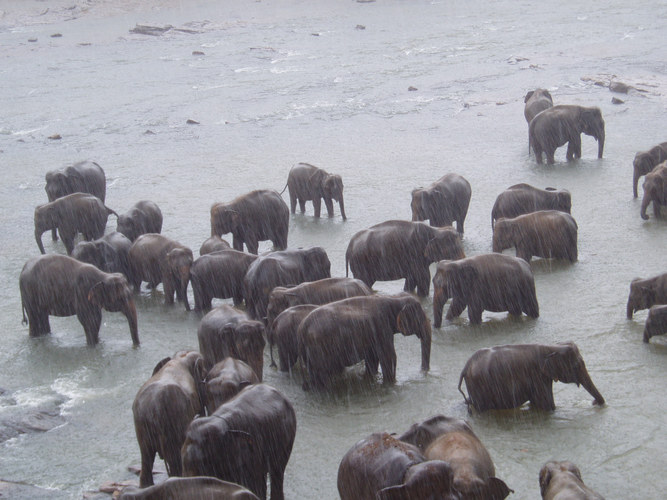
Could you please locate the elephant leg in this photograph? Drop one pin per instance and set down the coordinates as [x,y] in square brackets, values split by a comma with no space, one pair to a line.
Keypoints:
[292,202]
[277,476]
[550,156]
[543,397]
[456,308]
[388,364]
[172,459]
[317,205]
[91,319]
[237,243]
[68,240]
[237,299]
[54,232]
[514,308]
[38,323]
[328,202]
[538,154]
[524,253]
[423,282]
[302,205]
[571,153]
[438,306]
[459,224]
[475,314]
[372,362]
[285,362]
[656,208]
[169,289]
[147,460]
[252,243]
[410,284]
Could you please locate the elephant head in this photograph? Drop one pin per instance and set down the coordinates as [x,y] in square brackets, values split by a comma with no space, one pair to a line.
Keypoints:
[411,320]
[561,200]
[655,190]
[331,186]
[316,264]
[130,227]
[279,300]
[419,204]
[179,261]
[656,322]
[114,294]
[57,185]
[430,480]
[504,235]
[641,297]
[248,345]
[224,219]
[444,243]
[46,218]
[592,123]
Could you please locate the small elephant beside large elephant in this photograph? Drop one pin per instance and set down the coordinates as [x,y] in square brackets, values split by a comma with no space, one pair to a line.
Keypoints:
[655,190]
[507,376]
[283,332]
[144,217]
[225,380]
[163,409]
[442,203]
[645,161]
[536,101]
[309,183]
[523,199]
[656,322]
[645,293]
[110,253]
[562,481]
[252,217]
[562,124]
[189,488]
[58,285]
[213,244]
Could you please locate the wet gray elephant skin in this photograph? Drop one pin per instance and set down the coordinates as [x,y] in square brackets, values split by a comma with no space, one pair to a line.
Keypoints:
[246,438]
[488,282]
[380,467]
[443,202]
[505,377]
[225,380]
[452,440]
[157,259]
[189,488]
[557,125]
[58,285]
[253,217]
[523,199]
[213,244]
[286,267]
[645,161]
[228,332]
[562,481]
[309,183]
[144,217]
[110,253]
[647,292]
[219,275]
[536,101]
[656,322]
[72,214]
[282,332]
[348,331]
[399,249]
[549,234]
[655,190]
[163,409]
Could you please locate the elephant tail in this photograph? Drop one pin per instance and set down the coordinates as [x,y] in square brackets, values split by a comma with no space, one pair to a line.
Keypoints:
[465,398]
[290,171]
[25,320]
[110,212]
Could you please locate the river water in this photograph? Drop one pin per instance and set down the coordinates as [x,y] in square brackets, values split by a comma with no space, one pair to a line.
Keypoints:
[327,82]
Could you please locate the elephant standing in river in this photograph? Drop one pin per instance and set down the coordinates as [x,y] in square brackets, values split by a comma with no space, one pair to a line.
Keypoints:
[645,293]
[213,244]
[524,199]
[62,286]
[283,330]
[646,161]
[655,190]
[562,481]
[225,380]
[443,202]
[189,488]
[505,377]
[307,182]
[144,217]
[110,253]
[557,125]
[536,101]
[656,322]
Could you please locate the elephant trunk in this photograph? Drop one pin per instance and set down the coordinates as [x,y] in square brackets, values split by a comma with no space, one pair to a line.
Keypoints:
[600,139]
[635,181]
[341,204]
[38,238]
[130,312]
[630,309]
[426,348]
[645,201]
[185,279]
[587,384]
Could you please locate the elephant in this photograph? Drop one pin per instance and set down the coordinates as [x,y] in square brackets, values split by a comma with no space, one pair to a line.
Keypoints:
[213,244]
[164,407]
[381,467]
[491,282]
[506,376]
[309,183]
[189,488]
[59,285]
[452,440]
[536,101]
[225,380]
[655,190]
[157,259]
[225,332]
[398,249]
[82,177]
[144,217]
[656,322]
[523,199]
[645,162]
[72,214]
[348,331]
[282,331]
[286,267]
[247,437]
[645,293]
[443,202]
[253,217]
[108,253]
[549,234]
[317,292]
[219,275]
[563,123]
[562,481]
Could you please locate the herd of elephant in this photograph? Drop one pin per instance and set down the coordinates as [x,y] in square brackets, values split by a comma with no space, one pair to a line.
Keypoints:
[198,403]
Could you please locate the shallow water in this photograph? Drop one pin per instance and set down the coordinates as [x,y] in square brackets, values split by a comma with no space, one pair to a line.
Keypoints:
[327,83]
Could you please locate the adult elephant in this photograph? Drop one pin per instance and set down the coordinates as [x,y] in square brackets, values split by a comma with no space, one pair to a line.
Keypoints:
[157,259]
[286,267]
[656,322]
[380,467]
[58,285]
[655,190]
[219,275]
[443,202]
[144,217]
[524,199]
[164,407]
[646,161]
[213,244]
[227,332]
[225,380]
[506,376]
[645,293]
[562,481]
[401,249]
[536,101]
[253,217]
[491,282]
[549,234]
[246,438]
[282,331]
[557,125]
[110,253]
[348,331]
[189,488]
[309,183]
[72,214]
[452,440]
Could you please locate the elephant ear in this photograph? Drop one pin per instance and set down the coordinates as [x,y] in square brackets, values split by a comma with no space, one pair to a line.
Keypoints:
[496,489]
[160,364]
[545,478]
[96,294]
[528,96]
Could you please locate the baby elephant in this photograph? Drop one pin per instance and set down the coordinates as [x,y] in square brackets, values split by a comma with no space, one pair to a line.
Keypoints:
[536,101]
[283,332]
[189,488]
[645,293]
[144,217]
[307,182]
[656,322]
[562,481]
[225,380]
